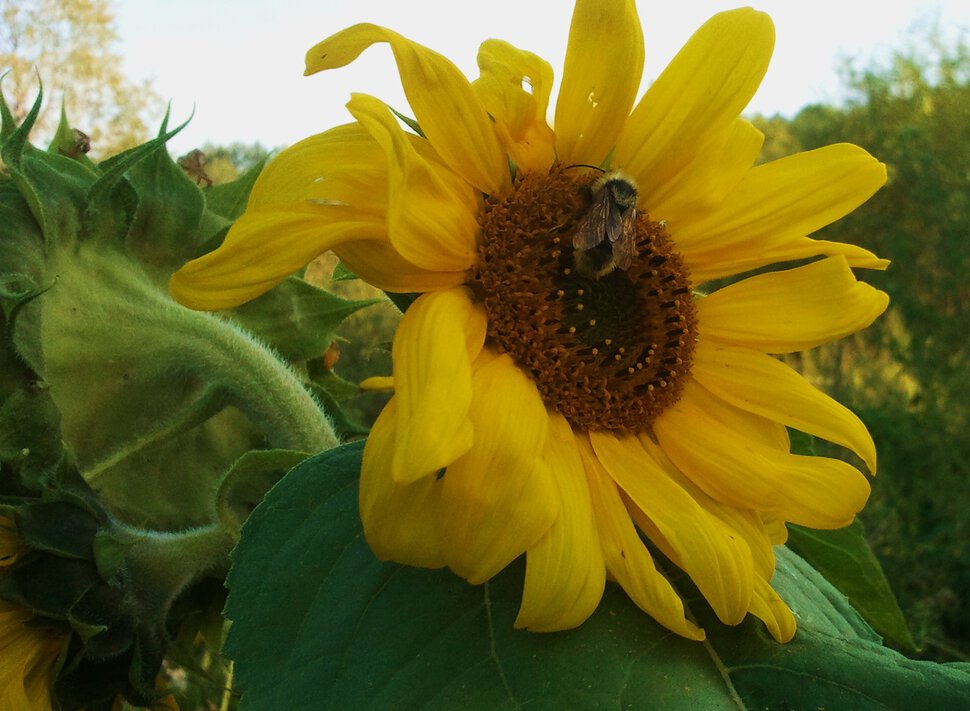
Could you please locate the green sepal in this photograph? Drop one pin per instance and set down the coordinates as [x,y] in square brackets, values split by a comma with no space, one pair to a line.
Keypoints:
[30,435]
[21,240]
[333,392]
[58,528]
[402,301]
[228,200]
[247,481]
[341,272]
[70,142]
[409,122]
[7,122]
[344,425]
[48,585]
[111,201]
[297,319]
[164,231]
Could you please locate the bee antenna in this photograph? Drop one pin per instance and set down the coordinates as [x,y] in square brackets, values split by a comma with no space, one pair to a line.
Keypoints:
[584,165]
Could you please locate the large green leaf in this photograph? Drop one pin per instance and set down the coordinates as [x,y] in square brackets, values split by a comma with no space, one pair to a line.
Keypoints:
[319,623]
[843,556]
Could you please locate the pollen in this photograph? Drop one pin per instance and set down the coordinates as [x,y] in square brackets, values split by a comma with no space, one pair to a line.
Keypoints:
[608,353]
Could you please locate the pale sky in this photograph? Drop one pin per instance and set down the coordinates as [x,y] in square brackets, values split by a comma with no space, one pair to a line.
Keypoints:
[240,62]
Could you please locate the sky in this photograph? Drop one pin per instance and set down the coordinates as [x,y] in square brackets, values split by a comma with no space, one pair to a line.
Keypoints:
[239,63]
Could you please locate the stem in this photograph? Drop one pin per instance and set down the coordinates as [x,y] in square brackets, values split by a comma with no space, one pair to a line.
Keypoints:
[257,381]
[163,564]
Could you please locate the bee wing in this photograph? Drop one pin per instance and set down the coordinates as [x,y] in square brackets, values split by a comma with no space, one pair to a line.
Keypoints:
[592,226]
[625,242]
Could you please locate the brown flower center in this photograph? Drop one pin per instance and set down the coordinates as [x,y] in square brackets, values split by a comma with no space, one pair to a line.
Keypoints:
[608,352]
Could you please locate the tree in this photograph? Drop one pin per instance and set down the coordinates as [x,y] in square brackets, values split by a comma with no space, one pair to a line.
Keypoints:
[68,45]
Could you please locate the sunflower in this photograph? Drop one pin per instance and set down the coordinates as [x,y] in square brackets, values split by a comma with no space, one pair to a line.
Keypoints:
[568,382]
[28,651]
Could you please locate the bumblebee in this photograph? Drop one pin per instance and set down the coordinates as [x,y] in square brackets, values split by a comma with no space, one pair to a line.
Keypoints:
[606,234]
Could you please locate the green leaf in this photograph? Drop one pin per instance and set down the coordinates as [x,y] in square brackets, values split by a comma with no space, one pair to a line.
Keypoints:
[319,623]
[228,200]
[296,318]
[845,559]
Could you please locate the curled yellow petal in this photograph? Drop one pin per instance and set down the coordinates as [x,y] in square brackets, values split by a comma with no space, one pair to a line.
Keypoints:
[379,264]
[436,341]
[791,310]
[379,383]
[565,573]
[431,215]
[519,113]
[736,462]
[717,561]
[499,499]
[768,606]
[444,104]
[400,520]
[342,166]
[263,248]
[627,558]
[600,78]
[765,386]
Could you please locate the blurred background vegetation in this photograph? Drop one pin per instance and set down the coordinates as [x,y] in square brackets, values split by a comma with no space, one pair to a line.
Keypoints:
[906,376]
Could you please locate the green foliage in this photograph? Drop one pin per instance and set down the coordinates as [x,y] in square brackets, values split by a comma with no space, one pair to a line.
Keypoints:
[318,622]
[228,162]
[69,44]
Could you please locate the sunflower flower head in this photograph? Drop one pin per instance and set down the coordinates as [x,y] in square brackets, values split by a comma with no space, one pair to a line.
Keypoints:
[29,651]
[568,382]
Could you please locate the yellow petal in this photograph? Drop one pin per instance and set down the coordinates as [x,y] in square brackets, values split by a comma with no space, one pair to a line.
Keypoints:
[791,310]
[717,561]
[444,104]
[431,215]
[718,263]
[344,165]
[262,249]
[627,558]
[744,523]
[697,97]
[765,386]
[400,520]
[601,75]
[565,573]
[378,263]
[500,499]
[379,383]
[705,182]
[726,453]
[767,606]
[785,200]
[519,114]
[436,341]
